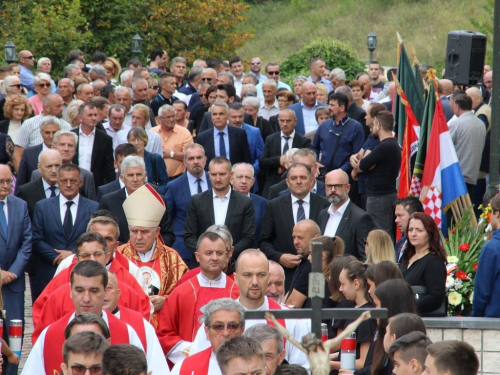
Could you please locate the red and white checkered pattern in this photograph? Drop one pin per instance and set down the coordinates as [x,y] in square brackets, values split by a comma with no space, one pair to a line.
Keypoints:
[415,186]
[433,203]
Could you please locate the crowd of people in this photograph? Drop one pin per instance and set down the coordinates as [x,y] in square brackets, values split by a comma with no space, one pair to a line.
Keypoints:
[150,207]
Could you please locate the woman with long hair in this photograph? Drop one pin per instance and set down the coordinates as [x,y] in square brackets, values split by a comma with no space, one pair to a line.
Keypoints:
[380,272]
[332,248]
[379,247]
[400,325]
[424,261]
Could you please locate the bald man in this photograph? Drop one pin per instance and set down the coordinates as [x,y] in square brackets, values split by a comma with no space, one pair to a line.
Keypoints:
[305,110]
[483,112]
[303,232]
[343,218]
[445,88]
[276,285]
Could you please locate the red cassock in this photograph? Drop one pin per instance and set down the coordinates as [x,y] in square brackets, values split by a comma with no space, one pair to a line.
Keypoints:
[198,363]
[63,277]
[60,303]
[136,321]
[179,318]
[193,273]
[54,340]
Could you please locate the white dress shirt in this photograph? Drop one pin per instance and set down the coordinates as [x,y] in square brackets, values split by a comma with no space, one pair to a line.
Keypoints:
[113,133]
[85,147]
[290,141]
[63,207]
[334,220]
[220,207]
[220,282]
[306,205]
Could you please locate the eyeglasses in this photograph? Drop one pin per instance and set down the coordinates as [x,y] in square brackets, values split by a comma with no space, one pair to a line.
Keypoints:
[219,327]
[206,79]
[335,186]
[87,256]
[274,73]
[5,182]
[29,57]
[44,84]
[255,63]
[155,87]
[19,86]
[81,370]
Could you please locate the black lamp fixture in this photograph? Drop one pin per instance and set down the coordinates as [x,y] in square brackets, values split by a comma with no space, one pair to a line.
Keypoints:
[136,46]
[371,43]
[10,52]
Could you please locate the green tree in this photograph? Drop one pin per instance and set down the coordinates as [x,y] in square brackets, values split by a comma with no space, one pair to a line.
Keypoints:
[482,20]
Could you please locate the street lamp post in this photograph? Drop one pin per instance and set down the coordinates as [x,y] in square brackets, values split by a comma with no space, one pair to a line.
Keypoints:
[9,52]
[371,43]
[136,46]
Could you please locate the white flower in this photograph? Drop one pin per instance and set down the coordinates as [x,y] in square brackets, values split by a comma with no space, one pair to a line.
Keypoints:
[458,283]
[471,297]
[449,282]
[454,298]
[452,259]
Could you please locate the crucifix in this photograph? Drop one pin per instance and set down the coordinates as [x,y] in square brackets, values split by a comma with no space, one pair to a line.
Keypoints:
[317,352]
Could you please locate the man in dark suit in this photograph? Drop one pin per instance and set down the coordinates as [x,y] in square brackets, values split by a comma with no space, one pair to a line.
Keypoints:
[283,213]
[223,140]
[220,205]
[242,179]
[58,222]
[307,104]
[29,162]
[133,176]
[343,218]
[308,157]
[65,143]
[179,192]
[95,148]
[121,151]
[273,158]
[15,250]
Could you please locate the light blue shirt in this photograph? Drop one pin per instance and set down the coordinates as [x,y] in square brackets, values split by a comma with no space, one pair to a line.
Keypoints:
[217,140]
[309,115]
[193,184]
[261,77]
[324,81]
[46,188]
[27,78]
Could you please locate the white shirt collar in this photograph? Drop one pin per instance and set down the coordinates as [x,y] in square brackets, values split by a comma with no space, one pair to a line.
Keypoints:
[307,199]
[228,195]
[219,282]
[63,200]
[341,209]
[264,306]
[82,133]
[291,135]
[146,257]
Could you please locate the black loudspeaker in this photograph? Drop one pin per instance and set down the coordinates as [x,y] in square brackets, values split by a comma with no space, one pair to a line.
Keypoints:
[465,55]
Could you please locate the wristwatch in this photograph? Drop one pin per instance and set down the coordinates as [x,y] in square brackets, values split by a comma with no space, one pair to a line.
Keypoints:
[171,154]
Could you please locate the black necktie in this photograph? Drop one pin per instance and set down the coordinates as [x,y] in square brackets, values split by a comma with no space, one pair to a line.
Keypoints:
[53,191]
[68,220]
[285,147]
[301,215]
[198,180]
[222,145]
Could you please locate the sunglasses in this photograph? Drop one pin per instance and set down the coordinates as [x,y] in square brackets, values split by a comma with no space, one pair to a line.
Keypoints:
[219,327]
[255,63]
[44,84]
[80,370]
[206,79]
[274,73]
[19,86]
[29,57]
[155,87]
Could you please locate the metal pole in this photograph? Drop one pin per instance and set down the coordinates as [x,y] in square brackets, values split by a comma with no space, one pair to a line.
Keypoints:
[495,111]
[371,57]
[319,280]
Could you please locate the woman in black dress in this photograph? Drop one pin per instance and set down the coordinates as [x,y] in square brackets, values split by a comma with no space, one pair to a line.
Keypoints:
[424,261]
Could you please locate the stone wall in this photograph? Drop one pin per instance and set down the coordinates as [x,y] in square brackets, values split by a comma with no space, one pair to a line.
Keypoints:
[482,333]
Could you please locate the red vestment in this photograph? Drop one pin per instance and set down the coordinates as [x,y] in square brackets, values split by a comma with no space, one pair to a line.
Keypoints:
[54,340]
[60,303]
[179,318]
[63,278]
[193,273]
[136,321]
[197,363]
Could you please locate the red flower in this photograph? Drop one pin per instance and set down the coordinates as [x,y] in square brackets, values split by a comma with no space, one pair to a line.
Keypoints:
[461,275]
[453,230]
[474,267]
[464,247]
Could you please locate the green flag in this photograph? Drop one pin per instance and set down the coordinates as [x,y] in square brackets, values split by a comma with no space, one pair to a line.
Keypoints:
[425,132]
[412,89]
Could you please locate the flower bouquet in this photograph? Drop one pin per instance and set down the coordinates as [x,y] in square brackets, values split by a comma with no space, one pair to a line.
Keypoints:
[463,246]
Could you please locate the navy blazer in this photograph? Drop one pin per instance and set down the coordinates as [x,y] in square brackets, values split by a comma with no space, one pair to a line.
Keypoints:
[207,123]
[178,196]
[15,250]
[48,233]
[161,171]
[29,163]
[259,206]
[239,149]
[297,108]
[108,188]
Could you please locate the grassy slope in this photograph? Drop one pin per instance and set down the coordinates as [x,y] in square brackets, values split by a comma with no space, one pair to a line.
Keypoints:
[280,28]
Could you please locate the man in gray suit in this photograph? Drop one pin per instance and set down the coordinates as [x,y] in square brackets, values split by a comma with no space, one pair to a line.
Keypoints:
[65,143]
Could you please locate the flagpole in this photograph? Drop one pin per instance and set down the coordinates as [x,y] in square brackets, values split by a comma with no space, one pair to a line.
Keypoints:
[495,111]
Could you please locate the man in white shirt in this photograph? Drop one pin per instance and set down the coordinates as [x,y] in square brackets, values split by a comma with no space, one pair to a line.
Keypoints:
[269,105]
[116,115]
[252,276]
[236,66]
